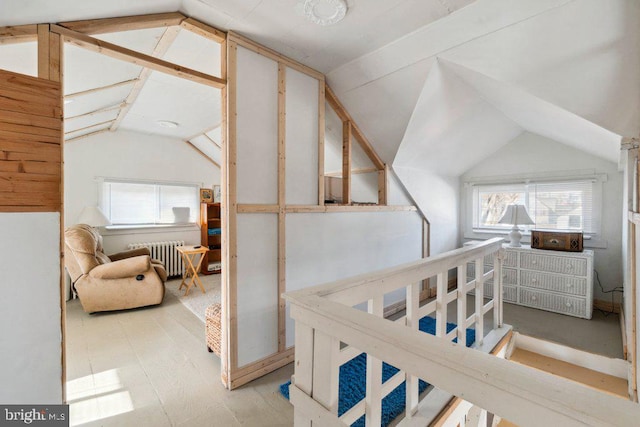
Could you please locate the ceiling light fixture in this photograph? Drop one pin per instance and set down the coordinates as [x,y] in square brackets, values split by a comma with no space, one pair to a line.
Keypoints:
[167,124]
[325,12]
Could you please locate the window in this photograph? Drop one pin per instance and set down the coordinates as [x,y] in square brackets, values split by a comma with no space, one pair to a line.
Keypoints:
[149,203]
[558,205]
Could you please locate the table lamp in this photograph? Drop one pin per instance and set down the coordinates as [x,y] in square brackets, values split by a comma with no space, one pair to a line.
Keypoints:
[516,215]
[93,216]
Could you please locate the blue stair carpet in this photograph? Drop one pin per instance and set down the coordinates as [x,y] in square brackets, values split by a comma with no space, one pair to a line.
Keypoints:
[353,380]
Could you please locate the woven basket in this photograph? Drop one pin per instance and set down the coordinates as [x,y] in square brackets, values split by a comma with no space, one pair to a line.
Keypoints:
[212,328]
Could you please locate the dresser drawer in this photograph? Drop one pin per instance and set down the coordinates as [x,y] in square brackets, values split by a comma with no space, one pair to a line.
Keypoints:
[509,275]
[554,264]
[553,282]
[573,306]
[509,293]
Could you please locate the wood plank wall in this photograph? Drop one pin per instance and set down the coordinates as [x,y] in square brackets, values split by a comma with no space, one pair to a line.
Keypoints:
[30,144]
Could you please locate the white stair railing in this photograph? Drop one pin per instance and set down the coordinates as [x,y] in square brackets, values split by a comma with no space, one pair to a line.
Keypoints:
[329,332]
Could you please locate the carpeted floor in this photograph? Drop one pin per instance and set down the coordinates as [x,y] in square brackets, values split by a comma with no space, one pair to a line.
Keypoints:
[196,301]
[352,386]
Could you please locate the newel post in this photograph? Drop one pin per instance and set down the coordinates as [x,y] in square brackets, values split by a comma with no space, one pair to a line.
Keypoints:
[498,261]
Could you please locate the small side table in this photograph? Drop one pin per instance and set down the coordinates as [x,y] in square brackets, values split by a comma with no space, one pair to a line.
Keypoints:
[189,254]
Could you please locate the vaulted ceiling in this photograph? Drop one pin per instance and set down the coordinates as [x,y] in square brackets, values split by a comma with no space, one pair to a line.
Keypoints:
[565,68]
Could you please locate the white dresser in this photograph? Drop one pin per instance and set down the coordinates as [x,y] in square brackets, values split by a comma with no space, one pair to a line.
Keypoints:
[556,281]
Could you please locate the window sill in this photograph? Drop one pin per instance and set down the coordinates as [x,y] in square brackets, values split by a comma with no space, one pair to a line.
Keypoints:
[590,242]
[113,230]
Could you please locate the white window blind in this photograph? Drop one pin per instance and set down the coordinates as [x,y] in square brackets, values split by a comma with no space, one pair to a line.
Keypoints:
[142,203]
[560,205]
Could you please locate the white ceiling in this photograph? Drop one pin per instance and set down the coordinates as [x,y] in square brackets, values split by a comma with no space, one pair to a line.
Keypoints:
[530,64]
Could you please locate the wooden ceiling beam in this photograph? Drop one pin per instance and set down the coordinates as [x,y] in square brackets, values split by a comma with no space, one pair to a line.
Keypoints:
[212,140]
[207,130]
[165,41]
[126,23]
[118,52]
[204,30]
[101,88]
[18,34]
[98,111]
[87,135]
[202,153]
[89,127]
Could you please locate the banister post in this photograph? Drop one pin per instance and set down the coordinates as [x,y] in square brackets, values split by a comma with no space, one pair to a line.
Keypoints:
[498,260]
[303,371]
[326,352]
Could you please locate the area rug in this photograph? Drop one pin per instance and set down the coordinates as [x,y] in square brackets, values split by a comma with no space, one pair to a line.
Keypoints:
[196,301]
[352,387]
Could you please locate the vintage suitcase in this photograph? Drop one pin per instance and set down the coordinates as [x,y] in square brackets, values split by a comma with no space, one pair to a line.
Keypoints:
[556,241]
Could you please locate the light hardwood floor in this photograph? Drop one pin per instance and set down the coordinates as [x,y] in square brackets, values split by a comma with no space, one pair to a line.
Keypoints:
[150,367]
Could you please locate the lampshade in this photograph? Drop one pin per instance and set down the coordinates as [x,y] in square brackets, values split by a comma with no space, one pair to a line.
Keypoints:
[93,216]
[516,215]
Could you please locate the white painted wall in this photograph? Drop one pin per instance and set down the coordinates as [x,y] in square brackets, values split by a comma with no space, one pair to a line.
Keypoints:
[322,248]
[30,348]
[131,155]
[531,153]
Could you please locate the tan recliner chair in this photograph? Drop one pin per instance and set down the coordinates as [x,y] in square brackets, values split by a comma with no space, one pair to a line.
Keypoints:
[117,282]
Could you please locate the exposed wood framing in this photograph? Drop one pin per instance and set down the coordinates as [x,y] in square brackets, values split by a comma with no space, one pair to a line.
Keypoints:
[190,144]
[229,353]
[282,163]
[43,51]
[207,130]
[257,369]
[98,111]
[128,55]
[98,89]
[346,163]
[75,138]
[204,30]
[321,126]
[353,172]
[90,126]
[272,54]
[212,140]
[357,133]
[382,185]
[161,48]
[348,208]
[245,208]
[18,34]
[126,23]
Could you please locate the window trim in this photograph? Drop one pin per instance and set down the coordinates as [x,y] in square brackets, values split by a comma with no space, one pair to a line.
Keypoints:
[147,227]
[592,240]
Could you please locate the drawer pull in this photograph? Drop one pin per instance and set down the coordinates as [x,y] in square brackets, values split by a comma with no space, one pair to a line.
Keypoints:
[534,280]
[534,262]
[570,285]
[569,266]
[568,305]
[534,298]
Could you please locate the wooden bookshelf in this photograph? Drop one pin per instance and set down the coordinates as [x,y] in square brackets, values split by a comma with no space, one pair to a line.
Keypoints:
[210,220]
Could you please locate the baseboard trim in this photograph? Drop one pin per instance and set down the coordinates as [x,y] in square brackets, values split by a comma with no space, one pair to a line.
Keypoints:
[262,367]
[606,306]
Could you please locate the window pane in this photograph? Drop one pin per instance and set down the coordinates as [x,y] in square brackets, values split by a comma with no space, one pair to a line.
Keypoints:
[131,203]
[562,206]
[184,199]
[493,203]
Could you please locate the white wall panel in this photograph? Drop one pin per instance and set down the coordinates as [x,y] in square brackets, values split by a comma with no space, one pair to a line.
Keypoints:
[301,139]
[257,128]
[364,187]
[30,348]
[326,247]
[257,286]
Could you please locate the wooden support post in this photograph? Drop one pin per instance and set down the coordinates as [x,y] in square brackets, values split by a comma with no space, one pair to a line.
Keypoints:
[326,352]
[125,23]
[321,128]
[412,321]
[373,396]
[282,153]
[479,301]
[43,51]
[303,373]
[382,186]
[346,163]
